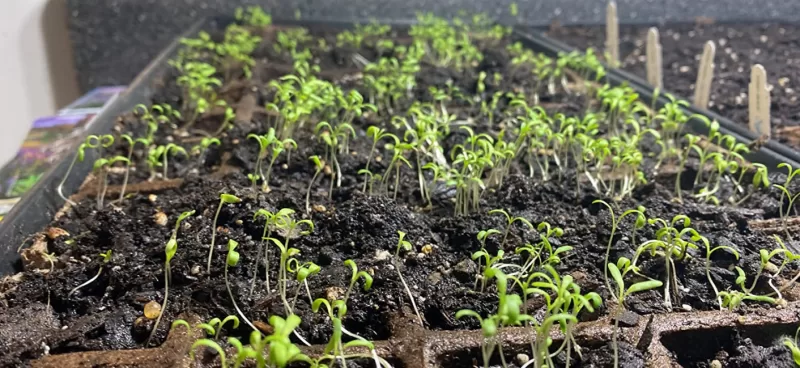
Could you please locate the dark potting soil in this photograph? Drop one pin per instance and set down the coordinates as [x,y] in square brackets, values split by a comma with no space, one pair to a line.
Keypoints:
[739,47]
[753,347]
[108,313]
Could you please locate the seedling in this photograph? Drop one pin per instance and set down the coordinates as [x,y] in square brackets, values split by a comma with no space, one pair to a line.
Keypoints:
[489,330]
[204,145]
[214,326]
[101,167]
[510,220]
[271,219]
[131,145]
[105,257]
[231,261]
[302,273]
[639,223]
[318,167]
[253,16]
[670,242]
[227,120]
[91,141]
[223,199]
[356,274]
[405,245]
[264,141]
[171,149]
[786,193]
[210,344]
[620,295]
[169,250]
[709,252]
[792,344]
[377,135]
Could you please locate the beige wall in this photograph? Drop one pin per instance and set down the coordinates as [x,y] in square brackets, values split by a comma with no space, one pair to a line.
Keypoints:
[36,67]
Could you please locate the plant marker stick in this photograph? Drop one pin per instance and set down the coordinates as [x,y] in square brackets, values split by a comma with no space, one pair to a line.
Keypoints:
[612,34]
[654,63]
[705,73]
[759,101]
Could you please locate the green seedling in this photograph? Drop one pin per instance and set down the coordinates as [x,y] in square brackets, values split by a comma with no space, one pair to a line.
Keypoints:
[171,149]
[91,141]
[214,326]
[227,120]
[289,226]
[620,294]
[786,193]
[231,261]
[271,219]
[105,258]
[253,16]
[377,135]
[489,331]
[639,223]
[131,145]
[302,273]
[510,220]
[403,244]
[673,246]
[709,252]
[169,250]
[318,167]
[209,344]
[223,199]
[101,167]
[356,274]
[204,145]
[792,344]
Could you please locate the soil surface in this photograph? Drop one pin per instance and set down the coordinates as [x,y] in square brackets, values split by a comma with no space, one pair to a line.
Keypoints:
[39,315]
[739,47]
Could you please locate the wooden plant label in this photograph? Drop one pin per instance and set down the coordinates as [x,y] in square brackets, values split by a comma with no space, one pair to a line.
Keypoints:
[654,59]
[759,101]
[705,73]
[612,35]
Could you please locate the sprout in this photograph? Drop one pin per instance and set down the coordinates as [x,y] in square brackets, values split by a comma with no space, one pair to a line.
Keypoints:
[639,212]
[91,141]
[101,167]
[405,245]
[786,193]
[510,220]
[622,293]
[356,274]
[212,345]
[105,257]
[272,219]
[171,149]
[302,272]
[318,166]
[792,345]
[170,250]
[231,261]
[253,16]
[204,145]
[131,145]
[223,198]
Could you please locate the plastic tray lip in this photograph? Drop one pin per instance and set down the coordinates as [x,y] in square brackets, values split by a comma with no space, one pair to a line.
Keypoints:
[771,154]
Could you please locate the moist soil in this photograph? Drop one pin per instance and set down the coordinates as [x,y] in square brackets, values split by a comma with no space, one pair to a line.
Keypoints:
[39,316]
[739,47]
